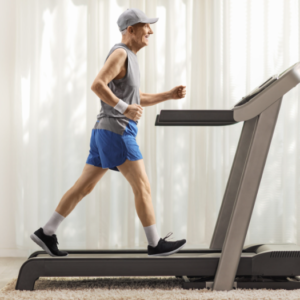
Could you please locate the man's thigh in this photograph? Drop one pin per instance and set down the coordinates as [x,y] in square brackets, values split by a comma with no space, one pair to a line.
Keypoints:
[135,173]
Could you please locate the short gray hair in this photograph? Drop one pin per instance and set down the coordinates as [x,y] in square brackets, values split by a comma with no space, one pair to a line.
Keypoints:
[124,31]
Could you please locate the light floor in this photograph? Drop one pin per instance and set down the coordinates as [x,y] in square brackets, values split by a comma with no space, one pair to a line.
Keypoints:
[9,268]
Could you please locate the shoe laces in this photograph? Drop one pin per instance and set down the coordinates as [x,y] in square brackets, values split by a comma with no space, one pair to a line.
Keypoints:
[54,239]
[168,235]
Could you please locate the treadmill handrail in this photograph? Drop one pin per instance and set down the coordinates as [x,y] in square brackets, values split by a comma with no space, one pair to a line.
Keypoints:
[189,117]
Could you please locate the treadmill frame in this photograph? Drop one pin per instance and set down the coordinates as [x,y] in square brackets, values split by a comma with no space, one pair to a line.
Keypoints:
[240,195]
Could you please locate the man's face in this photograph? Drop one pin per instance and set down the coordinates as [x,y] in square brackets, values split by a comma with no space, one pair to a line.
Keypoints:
[142,33]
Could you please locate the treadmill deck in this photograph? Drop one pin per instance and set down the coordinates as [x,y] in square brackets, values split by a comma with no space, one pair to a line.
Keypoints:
[118,263]
[136,256]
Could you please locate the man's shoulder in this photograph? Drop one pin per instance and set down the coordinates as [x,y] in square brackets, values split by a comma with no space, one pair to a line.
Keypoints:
[117,56]
[120,51]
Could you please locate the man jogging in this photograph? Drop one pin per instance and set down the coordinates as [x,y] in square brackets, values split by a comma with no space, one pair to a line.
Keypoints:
[113,140]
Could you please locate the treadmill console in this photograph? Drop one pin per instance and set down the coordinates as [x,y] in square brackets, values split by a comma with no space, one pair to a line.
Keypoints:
[288,69]
[257,90]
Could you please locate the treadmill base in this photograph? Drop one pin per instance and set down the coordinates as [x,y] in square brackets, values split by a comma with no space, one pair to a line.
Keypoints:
[273,283]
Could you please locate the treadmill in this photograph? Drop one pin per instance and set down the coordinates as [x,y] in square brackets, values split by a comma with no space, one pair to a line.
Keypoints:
[227,264]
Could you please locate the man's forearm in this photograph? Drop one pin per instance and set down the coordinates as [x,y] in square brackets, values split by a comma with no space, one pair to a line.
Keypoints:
[105,94]
[152,99]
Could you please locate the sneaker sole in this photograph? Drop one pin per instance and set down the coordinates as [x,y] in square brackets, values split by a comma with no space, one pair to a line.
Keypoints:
[38,241]
[168,253]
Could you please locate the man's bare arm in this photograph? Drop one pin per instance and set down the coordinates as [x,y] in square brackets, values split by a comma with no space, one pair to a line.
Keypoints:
[152,99]
[178,92]
[110,70]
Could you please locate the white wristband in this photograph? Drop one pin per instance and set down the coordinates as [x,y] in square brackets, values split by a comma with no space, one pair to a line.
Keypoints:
[121,106]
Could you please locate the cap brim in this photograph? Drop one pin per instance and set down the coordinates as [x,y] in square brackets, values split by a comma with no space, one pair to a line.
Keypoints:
[146,21]
[149,21]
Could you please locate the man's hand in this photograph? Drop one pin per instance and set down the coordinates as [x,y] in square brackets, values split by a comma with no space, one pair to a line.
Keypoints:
[178,92]
[133,112]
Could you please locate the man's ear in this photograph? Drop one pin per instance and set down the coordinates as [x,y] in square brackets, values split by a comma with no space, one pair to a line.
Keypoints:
[130,29]
[133,28]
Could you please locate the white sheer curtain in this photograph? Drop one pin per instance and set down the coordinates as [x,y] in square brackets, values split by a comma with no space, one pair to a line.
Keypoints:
[50,53]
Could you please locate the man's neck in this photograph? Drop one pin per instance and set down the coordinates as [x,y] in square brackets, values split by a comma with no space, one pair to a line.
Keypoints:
[131,46]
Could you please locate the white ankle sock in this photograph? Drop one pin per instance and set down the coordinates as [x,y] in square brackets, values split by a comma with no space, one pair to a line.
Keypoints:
[152,235]
[51,226]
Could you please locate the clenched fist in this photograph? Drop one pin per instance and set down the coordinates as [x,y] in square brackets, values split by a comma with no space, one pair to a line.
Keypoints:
[133,112]
[178,92]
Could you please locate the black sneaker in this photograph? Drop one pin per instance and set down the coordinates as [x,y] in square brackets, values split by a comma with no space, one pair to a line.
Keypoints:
[165,248]
[47,242]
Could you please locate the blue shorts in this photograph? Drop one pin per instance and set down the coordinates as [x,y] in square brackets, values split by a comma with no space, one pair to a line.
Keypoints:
[109,149]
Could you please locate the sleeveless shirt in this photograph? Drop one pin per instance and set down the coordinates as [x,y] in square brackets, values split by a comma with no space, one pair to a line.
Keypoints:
[126,89]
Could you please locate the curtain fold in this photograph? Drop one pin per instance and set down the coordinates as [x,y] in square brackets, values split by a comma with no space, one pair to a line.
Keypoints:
[220,50]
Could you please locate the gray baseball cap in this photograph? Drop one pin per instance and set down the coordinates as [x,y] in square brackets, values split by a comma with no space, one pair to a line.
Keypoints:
[133,16]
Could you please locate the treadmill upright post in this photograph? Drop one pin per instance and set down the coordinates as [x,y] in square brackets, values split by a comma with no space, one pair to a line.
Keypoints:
[249,184]
[233,184]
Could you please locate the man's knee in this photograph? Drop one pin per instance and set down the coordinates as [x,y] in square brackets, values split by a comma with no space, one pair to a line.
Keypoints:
[142,189]
[134,172]
[88,189]
[84,190]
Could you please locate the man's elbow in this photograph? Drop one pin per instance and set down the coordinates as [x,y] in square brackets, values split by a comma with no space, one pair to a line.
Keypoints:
[141,97]
[142,102]
[96,86]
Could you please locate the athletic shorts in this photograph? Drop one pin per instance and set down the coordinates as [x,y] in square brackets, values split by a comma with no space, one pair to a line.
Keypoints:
[109,149]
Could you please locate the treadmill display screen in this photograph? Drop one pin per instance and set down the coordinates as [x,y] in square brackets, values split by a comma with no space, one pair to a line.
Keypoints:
[257,90]
[265,82]
[287,70]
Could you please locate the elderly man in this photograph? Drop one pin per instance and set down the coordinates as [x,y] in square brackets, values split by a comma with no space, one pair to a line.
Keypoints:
[113,141]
